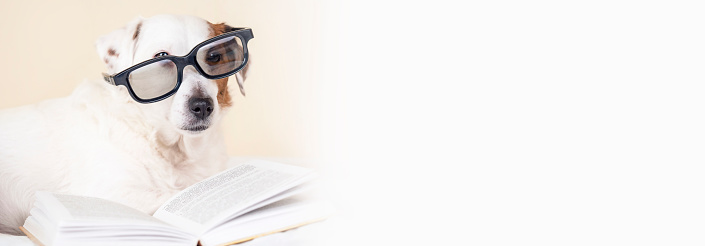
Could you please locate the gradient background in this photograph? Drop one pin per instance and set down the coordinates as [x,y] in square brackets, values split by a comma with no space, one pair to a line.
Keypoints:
[444,123]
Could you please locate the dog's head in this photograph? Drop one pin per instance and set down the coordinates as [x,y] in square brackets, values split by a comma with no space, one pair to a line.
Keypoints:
[199,103]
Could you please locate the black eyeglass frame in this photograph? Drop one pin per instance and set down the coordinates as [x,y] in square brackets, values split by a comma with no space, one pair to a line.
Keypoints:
[181,62]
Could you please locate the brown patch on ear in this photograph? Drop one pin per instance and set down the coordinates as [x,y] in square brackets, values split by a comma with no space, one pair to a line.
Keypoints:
[137,31]
[217,29]
[112,52]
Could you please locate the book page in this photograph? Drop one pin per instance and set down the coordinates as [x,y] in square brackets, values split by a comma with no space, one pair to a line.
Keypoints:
[206,203]
[97,209]
[280,216]
[59,217]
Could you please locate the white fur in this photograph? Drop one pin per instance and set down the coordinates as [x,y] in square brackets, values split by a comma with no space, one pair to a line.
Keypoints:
[100,142]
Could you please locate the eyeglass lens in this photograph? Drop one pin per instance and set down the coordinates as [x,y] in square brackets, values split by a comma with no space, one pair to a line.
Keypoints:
[153,80]
[220,57]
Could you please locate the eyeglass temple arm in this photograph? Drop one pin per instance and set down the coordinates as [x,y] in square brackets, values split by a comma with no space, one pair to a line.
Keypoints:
[108,79]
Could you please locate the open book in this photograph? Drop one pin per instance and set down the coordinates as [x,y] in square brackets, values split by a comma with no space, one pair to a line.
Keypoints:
[252,199]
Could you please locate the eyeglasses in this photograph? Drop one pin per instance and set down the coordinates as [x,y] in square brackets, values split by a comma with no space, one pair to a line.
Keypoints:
[157,79]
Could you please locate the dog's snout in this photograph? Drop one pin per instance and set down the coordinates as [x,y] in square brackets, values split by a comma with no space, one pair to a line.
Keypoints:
[201,107]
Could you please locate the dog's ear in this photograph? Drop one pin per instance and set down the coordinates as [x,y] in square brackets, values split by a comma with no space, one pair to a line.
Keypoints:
[240,76]
[115,49]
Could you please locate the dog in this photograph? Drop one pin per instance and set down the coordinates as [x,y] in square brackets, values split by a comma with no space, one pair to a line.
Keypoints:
[100,142]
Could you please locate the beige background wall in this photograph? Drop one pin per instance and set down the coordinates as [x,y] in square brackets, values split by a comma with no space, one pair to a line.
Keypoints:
[48,49]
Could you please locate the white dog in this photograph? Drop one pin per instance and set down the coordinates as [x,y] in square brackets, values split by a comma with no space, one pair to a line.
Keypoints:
[101,142]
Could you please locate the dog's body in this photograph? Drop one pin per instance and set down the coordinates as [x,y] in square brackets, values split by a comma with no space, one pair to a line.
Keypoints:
[100,142]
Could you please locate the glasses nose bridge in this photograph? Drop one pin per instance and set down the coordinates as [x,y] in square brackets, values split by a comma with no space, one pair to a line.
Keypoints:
[188,64]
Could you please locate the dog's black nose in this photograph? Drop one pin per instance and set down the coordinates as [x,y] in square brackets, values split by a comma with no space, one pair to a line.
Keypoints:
[201,107]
